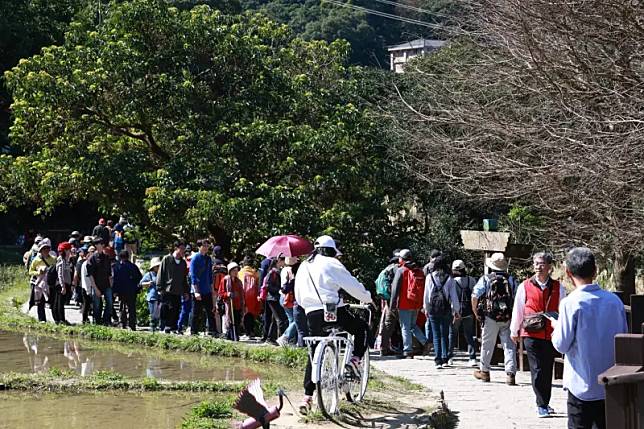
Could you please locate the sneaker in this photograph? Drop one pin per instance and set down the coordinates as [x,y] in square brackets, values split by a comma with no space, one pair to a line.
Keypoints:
[450,362]
[427,349]
[472,363]
[244,338]
[353,367]
[282,341]
[439,366]
[306,405]
[511,380]
[408,355]
[482,375]
[551,410]
[542,412]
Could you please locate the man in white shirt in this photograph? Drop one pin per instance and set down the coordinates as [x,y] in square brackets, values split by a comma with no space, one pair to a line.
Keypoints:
[317,285]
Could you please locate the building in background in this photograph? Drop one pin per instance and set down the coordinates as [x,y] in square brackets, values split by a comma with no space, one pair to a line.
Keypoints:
[400,54]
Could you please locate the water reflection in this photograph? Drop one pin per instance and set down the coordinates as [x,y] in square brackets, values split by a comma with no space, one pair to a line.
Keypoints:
[44,353]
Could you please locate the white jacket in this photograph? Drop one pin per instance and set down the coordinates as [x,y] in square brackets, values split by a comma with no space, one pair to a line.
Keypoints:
[329,276]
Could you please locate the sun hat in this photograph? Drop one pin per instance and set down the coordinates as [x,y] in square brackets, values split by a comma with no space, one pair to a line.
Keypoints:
[97,240]
[91,249]
[405,254]
[290,260]
[87,239]
[75,234]
[458,265]
[38,239]
[497,262]
[45,242]
[155,262]
[326,241]
[232,266]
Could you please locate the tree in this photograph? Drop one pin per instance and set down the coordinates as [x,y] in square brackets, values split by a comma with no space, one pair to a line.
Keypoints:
[196,123]
[540,106]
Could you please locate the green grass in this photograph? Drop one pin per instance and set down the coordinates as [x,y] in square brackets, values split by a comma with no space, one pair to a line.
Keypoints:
[61,381]
[209,415]
[10,255]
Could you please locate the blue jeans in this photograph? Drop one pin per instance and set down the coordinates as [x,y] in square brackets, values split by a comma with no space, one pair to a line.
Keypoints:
[440,331]
[107,308]
[301,324]
[154,322]
[184,316]
[410,329]
[291,331]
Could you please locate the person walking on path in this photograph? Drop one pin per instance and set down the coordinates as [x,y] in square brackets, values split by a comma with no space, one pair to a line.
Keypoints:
[442,307]
[272,283]
[536,295]
[389,317]
[38,271]
[463,285]
[253,308]
[87,283]
[101,231]
[589,319]
[407,291]
[496,292]
[231,291]
[99,266]
[317,285]
[201,277]
[172,284]
[149,282]
[63,283]
[287,279]
[127,277]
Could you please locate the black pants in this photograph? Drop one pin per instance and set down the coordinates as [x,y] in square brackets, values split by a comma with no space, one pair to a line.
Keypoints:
[88,305]
[170,308]
[346,321]
[57,304]
[279,315]
[270,327]
[233,329]
[541,356]
[202,312]
[249,324]
[585,414]
[127,310]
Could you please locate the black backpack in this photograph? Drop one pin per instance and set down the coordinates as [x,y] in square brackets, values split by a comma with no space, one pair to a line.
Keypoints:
[499,299]
[438,303]
[51,276]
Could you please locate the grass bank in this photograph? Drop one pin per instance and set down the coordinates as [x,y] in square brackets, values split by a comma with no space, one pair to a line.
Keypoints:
[61,381]
[14,291]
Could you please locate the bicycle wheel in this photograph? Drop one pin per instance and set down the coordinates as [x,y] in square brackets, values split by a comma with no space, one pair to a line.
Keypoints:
[358,388]
[327,385]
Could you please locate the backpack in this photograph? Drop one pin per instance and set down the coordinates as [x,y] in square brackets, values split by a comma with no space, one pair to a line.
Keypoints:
[499,300]
[250,283]
[51,276]
[439,304]
[415,288]
[383,283]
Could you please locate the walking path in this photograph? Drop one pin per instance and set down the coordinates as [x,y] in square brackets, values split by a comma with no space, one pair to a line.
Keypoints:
[479,405]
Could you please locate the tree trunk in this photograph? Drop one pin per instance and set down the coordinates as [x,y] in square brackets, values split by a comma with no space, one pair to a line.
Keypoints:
[624,274]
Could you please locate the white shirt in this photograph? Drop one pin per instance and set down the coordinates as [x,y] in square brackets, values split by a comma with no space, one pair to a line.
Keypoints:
[329,276]
[87,281]
[519,305]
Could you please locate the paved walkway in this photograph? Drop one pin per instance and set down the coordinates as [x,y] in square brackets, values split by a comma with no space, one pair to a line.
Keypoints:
[479,405]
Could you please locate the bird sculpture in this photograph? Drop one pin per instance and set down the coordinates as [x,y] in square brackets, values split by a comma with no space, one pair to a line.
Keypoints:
[251,402]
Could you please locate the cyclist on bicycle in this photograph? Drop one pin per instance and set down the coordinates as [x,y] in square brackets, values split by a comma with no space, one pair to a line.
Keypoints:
[317,286]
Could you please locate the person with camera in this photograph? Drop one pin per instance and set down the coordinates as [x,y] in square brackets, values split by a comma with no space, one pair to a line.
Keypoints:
[535,296]
[317,285]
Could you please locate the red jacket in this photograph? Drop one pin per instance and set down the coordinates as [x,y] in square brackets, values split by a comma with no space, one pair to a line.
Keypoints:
[234,288]
[535,302]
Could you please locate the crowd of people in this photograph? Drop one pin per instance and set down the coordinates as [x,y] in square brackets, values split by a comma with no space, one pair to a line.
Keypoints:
[285,299]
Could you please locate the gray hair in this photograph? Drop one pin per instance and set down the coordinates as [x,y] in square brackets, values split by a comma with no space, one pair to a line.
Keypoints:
[546,256]
[580,261]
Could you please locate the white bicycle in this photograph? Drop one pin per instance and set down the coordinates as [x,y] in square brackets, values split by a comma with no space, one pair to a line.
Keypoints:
[329,359]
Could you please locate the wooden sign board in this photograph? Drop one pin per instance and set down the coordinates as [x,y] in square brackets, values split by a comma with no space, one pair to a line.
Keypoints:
[487,241]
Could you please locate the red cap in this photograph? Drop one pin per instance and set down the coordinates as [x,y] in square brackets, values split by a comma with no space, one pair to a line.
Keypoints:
[64,246]
[101,221]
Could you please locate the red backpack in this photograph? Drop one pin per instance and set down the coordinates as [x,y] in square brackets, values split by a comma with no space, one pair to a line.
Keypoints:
[415,287]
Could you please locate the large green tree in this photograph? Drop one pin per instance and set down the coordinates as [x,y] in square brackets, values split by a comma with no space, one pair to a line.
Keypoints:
[198,122]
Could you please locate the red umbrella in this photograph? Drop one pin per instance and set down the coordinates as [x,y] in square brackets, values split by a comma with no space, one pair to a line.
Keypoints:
[287,245]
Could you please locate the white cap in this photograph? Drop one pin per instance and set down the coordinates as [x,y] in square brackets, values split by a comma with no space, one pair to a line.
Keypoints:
[405,254]
[458,265]
[233,265]
[326,241]
[290,260]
